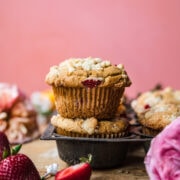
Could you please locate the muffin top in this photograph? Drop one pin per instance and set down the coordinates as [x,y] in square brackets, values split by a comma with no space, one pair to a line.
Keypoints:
[158,108]
[151,98]
[160,115]
[87,72]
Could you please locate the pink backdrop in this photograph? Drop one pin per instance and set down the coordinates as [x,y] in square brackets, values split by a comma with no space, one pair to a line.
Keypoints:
[144,35]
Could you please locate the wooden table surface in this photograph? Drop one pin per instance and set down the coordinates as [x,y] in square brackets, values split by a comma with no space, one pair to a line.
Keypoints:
[44,153]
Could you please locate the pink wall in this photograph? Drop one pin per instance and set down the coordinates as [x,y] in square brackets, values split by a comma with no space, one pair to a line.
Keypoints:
[144,35]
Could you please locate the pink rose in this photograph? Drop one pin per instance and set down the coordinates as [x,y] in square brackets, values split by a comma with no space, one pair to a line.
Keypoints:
[163,158]
[9,94]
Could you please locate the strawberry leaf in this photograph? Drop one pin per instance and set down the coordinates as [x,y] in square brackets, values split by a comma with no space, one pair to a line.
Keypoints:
[16,149]
[86,159]
[5,154]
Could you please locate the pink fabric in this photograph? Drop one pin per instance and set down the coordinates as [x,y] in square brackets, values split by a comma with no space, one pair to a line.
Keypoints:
[163,158]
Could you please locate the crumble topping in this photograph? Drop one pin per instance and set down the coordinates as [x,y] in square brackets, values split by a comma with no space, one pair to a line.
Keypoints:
[72,72]
[156,109]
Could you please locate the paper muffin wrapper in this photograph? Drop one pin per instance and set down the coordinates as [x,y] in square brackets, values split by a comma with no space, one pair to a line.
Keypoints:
[63,132]
[99,102]
[150,131]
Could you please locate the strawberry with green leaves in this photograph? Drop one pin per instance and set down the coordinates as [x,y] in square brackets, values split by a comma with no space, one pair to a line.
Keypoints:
[81,171]
[4,146]
[16,166]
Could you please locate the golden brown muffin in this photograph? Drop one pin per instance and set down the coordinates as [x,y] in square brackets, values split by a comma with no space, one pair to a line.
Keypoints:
[156,109]
[88,87]
[150,98]
[90,127]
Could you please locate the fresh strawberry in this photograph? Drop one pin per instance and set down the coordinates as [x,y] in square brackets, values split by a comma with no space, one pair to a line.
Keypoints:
[4,146]
[15,166]
[80,171]
[90,83]
[18,167]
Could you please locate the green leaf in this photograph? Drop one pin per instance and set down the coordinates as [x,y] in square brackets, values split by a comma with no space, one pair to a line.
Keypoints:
[16,149]
[86,159]
[5,154]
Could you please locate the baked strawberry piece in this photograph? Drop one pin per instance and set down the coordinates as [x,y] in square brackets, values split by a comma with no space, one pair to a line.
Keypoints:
[91,83]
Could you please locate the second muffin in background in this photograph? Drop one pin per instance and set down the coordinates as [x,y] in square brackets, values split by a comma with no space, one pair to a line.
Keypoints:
[156,109]
[88,87]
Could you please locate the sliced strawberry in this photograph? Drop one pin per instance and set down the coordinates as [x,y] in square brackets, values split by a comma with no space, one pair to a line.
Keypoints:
[90,83]
[4,146]
[80,171]
[18,167]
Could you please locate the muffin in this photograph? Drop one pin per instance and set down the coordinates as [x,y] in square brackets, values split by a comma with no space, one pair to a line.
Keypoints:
[156,109]
[90,127]
[88,87]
